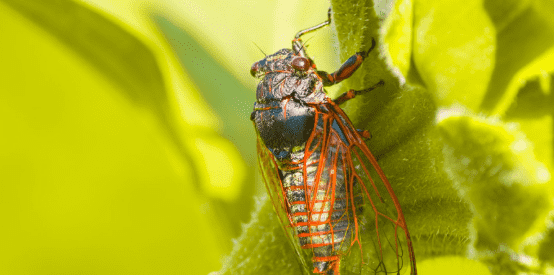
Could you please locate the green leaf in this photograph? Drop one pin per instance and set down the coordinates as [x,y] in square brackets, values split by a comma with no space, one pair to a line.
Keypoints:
[532,109]
[525,35]
[531,102]
[230,100]
[113,51]
[398,29]
[400,118]
[96,156]
[494,166]
[454,59]
[263,247]
[546,248]
[452,266]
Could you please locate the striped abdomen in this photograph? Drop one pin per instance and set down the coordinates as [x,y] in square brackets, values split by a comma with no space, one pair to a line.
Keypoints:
[317,199]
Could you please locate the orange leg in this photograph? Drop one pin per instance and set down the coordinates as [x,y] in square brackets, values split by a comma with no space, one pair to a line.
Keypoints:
[347,69]
[353,93]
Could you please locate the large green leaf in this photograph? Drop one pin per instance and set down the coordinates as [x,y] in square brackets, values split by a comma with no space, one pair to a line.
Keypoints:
[454,59]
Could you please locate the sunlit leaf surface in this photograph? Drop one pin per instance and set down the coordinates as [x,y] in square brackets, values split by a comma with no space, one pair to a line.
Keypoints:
[126,145]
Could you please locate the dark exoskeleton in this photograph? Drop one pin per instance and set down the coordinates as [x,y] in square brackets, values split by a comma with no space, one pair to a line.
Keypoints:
[303,137]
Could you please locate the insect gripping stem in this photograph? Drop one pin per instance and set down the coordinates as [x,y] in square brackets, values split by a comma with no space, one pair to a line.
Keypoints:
[326,186]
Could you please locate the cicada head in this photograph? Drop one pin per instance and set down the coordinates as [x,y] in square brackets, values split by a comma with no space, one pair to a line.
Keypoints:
[285,61]
[286,74]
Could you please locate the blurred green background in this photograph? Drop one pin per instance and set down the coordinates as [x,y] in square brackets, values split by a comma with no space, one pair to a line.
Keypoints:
[126,145]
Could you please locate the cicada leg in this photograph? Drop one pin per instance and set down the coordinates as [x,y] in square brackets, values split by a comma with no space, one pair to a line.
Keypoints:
[347,69]
[297,45]
[364,133]
[353,93]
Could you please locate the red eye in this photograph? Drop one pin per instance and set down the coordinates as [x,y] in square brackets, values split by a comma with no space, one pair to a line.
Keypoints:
[300,63]
[254,69]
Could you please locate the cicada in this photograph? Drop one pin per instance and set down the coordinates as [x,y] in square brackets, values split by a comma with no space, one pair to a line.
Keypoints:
[326,186]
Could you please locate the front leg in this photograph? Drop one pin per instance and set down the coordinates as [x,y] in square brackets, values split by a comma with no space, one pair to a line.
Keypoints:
[347,69]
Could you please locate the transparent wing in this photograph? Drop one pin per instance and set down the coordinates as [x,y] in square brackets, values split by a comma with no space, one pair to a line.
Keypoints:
[274,185]
[379,232]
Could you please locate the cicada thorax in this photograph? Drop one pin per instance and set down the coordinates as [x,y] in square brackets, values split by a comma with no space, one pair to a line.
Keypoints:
[282,113]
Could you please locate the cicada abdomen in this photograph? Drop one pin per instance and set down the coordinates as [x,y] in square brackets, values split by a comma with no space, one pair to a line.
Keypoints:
[333,200]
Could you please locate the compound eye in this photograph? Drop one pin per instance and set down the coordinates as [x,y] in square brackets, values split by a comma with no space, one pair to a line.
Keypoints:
[254,69]
[300,63]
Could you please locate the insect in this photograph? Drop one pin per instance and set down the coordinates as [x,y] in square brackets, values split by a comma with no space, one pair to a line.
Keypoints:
[326,186]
